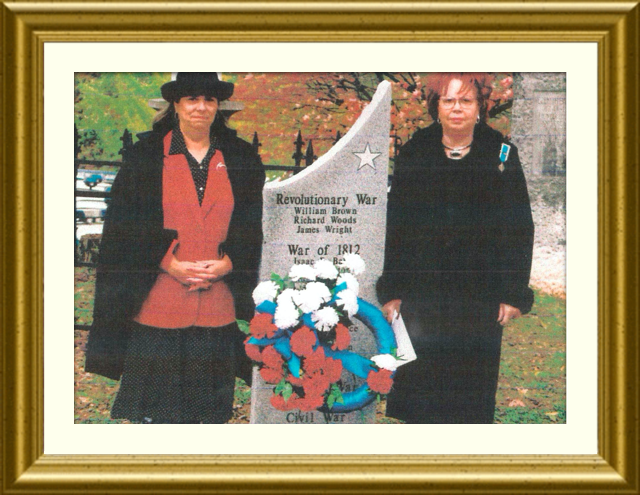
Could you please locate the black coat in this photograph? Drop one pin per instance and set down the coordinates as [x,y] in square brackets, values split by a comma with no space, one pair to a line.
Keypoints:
[134,242]
[459,233]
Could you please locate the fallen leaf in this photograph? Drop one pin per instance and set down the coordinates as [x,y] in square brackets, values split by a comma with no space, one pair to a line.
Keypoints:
[516,403]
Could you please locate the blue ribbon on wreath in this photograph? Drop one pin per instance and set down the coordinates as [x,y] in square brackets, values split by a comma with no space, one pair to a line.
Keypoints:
[356,364]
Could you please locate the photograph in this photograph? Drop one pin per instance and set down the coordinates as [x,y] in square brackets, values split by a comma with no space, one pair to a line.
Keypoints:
[444,259]
[208,204]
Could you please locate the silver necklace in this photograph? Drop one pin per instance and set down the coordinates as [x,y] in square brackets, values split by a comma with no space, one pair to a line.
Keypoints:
[456,153]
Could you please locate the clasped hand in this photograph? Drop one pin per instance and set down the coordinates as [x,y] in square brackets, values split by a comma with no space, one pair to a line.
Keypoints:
[199,275]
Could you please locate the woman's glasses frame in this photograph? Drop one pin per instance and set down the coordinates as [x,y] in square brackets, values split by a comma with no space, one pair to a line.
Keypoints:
[451,102]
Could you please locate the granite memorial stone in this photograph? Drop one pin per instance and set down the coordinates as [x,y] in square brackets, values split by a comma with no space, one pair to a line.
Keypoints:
[333,207]
[549,119]
[538,122]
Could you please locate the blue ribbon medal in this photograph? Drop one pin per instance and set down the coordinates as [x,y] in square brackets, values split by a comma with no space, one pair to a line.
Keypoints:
[504,154]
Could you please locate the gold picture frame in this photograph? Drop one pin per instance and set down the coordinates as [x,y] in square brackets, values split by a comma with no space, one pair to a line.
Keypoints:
[27,25]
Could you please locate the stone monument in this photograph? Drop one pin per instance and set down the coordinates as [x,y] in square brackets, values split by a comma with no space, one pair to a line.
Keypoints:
[538,129]
[549,124]
[333,207]
[538,124]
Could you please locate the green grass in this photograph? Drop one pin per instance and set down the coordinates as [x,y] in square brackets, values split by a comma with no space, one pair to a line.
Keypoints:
[531,387]
[532,383]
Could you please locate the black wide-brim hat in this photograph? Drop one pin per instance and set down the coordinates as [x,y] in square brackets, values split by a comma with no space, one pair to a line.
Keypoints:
[196,84]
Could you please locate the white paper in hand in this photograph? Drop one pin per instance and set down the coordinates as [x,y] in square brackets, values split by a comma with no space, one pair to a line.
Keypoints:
[405,351]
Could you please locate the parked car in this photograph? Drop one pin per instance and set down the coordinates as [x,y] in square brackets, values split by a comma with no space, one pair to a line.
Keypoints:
[90,210]
[93,180]
[80,216]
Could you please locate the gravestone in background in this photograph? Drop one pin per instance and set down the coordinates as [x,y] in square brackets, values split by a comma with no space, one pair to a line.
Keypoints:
[538,129]
[549,125]
[538,121]
[335,206]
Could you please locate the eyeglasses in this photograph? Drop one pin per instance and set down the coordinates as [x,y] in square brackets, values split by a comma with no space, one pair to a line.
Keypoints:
[450,102]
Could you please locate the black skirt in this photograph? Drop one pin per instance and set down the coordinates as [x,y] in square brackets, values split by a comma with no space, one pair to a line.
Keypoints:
[455,378]
[178,375]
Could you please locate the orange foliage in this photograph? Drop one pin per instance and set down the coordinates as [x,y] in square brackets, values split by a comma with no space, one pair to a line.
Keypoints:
[278,105]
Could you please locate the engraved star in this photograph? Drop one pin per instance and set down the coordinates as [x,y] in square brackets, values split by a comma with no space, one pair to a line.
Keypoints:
[366,158]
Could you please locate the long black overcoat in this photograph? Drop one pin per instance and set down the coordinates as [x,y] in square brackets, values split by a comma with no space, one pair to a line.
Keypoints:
[459,234]
[134,241]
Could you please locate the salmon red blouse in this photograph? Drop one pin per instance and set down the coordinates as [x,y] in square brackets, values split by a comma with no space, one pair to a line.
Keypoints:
[201,229]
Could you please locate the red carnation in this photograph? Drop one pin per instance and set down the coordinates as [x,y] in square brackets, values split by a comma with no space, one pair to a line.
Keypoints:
[272,358]
[343,339]
[253,351]
[271,375]
[309,403]
[302,341]
[333,369]
[316,384]
[280,404]
[315,361]
[296,382]
[380,381]
[262,325]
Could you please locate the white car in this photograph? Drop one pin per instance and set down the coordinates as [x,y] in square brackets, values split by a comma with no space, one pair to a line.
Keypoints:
[90,210]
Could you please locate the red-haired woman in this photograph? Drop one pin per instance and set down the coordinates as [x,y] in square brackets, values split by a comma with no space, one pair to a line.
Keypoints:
[458,255]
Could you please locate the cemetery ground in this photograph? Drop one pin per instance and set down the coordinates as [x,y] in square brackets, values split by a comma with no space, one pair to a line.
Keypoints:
[531,388]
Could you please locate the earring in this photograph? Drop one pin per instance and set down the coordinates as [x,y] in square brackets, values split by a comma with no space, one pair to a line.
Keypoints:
[439,121]
[478,119]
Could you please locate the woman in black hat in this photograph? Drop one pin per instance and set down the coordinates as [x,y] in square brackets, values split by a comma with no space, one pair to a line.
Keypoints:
[179,258]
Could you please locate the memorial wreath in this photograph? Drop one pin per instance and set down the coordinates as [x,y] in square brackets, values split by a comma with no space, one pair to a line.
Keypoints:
[300,338]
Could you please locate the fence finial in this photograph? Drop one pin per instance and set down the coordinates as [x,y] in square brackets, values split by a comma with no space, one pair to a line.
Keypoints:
[127,143]
[256,142]
[309,156]
[298,155]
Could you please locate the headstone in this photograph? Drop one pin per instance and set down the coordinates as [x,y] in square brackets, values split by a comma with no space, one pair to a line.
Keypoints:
[549,123]
[538,129]
[538,121]
[335,206]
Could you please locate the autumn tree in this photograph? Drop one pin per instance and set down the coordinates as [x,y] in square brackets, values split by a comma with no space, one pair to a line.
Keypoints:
[107,103]
[322,106]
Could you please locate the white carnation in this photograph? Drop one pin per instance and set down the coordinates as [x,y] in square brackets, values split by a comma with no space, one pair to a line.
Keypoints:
[385,361]
[287,296]
[286,315]
[354,263]
[325,318]
[321,290]
[312,297]
[325,269]
[349,301]
[351,281]
[305,272]
[307,302]
[265,291]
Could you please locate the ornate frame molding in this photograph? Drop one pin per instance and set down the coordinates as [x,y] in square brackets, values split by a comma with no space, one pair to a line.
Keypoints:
[27,25]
